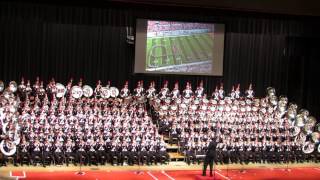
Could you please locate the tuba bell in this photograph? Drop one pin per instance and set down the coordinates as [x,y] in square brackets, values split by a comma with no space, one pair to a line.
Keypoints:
[76,92]
[13,86]
[1,86]
[87,91]
[299,121]
[308,147]
[10,145]
[60,90]
[271,91]
[315,137]
[317,127]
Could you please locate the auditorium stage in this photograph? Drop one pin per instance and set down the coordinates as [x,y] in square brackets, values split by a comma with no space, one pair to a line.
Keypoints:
[173,171]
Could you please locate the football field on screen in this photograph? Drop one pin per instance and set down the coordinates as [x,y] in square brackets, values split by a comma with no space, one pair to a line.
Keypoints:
[178,50]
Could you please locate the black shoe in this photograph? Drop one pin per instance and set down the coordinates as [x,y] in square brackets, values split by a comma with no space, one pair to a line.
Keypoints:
[203,174]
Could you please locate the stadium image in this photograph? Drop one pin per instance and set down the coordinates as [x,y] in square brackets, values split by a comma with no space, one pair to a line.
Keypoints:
[176,47]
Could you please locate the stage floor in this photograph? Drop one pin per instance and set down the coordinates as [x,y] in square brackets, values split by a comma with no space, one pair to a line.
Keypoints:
[173,171]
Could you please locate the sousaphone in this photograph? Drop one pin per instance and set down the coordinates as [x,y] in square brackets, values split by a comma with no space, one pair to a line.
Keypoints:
[271,91]
[13,86]
[308,147]
[76,92]
[87,91]
[299,121]
[1,86]
[317,127]
[105,92]
[11,147]
[296,130]
[315,137]
[60,90]
[114,92]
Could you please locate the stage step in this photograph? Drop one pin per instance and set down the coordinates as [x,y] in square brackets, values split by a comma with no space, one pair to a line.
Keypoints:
[176,156]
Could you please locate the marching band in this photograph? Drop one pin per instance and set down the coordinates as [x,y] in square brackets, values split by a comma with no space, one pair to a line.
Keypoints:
[79,124]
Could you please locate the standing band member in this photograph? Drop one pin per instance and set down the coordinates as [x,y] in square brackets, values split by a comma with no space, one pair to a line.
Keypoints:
[210,155]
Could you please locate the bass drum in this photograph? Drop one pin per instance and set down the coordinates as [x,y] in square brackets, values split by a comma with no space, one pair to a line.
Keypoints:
[114,92]
[76,92]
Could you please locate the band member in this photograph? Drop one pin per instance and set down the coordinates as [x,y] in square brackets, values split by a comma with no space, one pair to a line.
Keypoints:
[97,90]
[80,83]
[36,151]
[58,152]
[200,90]
[151,92]
[232,94]
[125,92]
[164,92]
[139,90]
[221,92]
[187,93]
[175,93]
[249,92]
[22,86]
[210,155]
[237,92]
[69,150]
[215,94]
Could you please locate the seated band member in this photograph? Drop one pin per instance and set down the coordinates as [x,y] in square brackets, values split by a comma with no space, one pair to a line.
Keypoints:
[210,155]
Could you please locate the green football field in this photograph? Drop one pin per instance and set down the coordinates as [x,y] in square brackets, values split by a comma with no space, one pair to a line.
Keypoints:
[168,51]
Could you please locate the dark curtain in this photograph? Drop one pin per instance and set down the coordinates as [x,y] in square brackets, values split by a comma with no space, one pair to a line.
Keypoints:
[64,41]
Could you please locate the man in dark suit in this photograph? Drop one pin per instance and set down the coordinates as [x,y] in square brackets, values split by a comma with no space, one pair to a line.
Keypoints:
[210,155]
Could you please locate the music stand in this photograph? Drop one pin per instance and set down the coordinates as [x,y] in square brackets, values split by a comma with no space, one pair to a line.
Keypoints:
[228,164]
[138,172]
[287,166]
[80,172]
[242,170]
